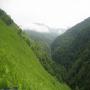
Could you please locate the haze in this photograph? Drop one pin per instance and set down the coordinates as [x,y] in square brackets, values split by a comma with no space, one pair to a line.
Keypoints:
[53,13]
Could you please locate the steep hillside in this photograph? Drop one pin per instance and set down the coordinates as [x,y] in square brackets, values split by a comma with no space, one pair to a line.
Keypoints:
[72,50]
[63,48]
[19,67]
[79,74]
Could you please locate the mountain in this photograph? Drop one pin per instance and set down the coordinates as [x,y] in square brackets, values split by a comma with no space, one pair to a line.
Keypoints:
[47,37]
[20,69]
[72,50]
[64,43]
[79,74]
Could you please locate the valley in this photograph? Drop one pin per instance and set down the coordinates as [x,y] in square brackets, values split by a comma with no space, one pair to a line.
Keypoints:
[67,56]
[31,60]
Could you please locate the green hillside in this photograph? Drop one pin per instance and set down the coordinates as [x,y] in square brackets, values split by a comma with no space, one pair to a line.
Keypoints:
[19,67]
[72,50]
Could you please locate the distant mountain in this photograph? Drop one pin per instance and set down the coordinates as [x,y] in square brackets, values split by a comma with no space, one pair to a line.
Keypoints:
[47,37]
[20,69]
[72,50]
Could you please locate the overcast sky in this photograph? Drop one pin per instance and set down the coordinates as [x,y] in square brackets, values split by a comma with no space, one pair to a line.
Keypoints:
[54,13]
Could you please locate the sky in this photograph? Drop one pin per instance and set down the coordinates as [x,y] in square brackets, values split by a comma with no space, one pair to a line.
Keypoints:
[31,14]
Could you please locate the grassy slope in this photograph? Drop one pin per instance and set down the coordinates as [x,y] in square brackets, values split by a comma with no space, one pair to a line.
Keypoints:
[18,65]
